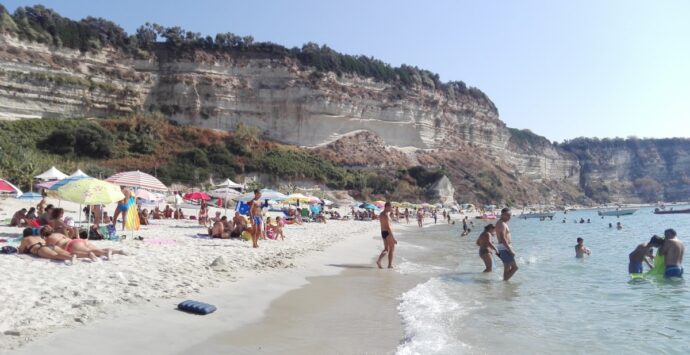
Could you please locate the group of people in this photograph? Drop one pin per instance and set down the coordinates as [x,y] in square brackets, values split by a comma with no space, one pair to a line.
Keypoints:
[504,250]
[48,243]
[669,256]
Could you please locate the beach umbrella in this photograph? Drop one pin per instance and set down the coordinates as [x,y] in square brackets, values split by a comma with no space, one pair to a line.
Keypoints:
[368,206]
[146,195]
[51,174]
[137,179]
[6,186]
[89,191]
[293,198]
[54,186]
[197,196]
[224,192]
[30,196]
[47,184]
[379,203]
[266,194]
[327,202]
[313,199]
[229,183]
[79,173]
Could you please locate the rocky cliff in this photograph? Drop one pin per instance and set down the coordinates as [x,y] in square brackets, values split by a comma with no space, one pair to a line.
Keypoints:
[296,104]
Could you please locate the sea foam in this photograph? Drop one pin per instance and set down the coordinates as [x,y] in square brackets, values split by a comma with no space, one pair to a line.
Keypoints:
[428,314]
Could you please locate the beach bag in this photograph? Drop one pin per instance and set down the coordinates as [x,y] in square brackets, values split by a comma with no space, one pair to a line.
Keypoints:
[8,249]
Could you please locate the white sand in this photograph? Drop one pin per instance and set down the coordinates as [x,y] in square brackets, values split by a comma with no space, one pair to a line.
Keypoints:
[127,297]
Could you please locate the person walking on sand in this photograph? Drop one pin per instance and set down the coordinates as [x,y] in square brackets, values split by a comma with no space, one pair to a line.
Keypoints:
[505,248]
[255,215]
[485,246]
[673,251]
[387,235]
[407,216]
[420,217]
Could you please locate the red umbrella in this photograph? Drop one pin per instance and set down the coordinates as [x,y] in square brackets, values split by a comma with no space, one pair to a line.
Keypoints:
[6,186]
[197,196]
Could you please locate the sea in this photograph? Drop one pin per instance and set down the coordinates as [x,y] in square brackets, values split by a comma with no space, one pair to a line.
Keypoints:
[555,303]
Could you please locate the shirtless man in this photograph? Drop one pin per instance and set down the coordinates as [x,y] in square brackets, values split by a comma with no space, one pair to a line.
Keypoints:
[217,218]
[36,246]
[42,204]
[387,235]
[673,251]
[640,254]
[580,249]
[255,215]
[420,218]
[485,246]
[505,248]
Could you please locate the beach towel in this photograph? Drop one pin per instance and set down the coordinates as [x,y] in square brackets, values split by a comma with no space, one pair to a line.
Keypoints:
[132,217]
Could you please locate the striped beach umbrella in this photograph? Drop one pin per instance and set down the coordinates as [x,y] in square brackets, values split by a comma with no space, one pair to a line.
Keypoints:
[137,179]
[6,186]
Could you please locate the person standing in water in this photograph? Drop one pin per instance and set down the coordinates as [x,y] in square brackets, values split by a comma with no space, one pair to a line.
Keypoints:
[255,215]
[505,248]
[387,235]
[580,249]
[485,246]
[640,255]
[673,251]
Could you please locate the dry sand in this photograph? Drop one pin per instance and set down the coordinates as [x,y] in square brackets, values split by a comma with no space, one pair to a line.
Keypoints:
[129,302]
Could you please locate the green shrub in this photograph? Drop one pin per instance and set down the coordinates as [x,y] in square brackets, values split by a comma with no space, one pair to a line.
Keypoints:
[93,141]
[60,141]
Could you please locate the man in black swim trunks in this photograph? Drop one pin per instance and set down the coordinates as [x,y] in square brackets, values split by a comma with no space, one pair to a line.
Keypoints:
[387,235]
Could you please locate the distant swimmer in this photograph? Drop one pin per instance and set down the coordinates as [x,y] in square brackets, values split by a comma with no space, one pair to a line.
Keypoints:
[582,220]
[387,236]
[563,220]
[588,221]
[610,225]
[580,249]
[641,254]
[619,226]
[673,251]
[486,246]
[505,248]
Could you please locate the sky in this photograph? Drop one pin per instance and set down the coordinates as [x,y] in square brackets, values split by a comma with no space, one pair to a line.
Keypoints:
[563,69]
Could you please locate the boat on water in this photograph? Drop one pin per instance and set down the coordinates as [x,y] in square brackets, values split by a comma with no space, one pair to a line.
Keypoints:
[617,212]
[487,216]
[537,215]
[659,211]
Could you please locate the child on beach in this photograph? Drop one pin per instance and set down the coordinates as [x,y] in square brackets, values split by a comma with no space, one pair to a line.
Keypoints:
[580,249]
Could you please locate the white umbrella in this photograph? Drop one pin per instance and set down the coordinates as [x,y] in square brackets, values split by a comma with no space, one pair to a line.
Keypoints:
[137,179]
[229,183]
[79,173]
[51,174]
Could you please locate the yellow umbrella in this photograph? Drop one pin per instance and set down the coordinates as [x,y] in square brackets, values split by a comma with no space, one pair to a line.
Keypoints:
[293,198]
[90,191]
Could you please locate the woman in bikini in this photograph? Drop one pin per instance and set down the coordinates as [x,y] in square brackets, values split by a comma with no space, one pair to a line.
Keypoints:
[81,247]
[485,246]
[36,246]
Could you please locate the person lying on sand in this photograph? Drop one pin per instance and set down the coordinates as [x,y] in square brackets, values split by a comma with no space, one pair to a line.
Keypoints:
[36,246]
[81,247]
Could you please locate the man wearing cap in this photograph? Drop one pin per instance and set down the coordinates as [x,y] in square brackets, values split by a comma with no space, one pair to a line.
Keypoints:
[505,248]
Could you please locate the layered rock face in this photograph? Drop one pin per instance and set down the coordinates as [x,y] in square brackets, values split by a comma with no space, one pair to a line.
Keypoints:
[290,104]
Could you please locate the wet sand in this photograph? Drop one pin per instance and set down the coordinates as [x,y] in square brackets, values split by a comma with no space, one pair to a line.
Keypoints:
[354,312]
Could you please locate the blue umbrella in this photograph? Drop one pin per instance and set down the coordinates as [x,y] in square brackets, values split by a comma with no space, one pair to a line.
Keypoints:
[368,206]
[30,196]
[66,181]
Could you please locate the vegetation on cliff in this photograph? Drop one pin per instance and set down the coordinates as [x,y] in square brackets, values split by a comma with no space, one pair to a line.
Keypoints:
[181,154]
[40,24]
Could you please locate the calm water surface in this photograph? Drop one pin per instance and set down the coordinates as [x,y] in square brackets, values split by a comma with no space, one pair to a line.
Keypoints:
[555,303]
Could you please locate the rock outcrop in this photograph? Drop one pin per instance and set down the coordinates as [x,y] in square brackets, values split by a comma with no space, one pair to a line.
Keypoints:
[443,191]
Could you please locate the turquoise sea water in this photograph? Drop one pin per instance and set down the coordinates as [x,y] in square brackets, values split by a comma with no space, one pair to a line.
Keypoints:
[555,303]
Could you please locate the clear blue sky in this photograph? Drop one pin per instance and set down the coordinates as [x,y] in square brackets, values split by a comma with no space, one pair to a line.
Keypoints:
[562,69]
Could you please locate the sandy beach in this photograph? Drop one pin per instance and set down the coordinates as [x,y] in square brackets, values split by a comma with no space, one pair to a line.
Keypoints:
[122,304]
